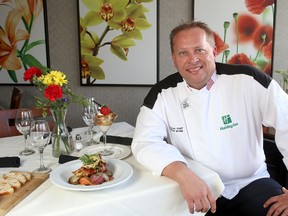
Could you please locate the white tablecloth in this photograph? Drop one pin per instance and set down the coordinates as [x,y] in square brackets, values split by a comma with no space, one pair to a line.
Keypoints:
[143,194]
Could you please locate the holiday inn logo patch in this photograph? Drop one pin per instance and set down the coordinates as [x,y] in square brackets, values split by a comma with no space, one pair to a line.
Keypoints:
[227,122]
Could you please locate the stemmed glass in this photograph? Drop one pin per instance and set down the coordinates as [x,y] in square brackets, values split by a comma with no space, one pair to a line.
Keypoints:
[104,122]
[23,120]
[39,137]
[89,113]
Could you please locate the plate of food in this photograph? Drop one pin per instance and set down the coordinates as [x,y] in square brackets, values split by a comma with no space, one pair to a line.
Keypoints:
[118,151]
[91,173]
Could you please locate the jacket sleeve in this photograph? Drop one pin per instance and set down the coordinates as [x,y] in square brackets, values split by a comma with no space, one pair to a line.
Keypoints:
[149,146]
[275,115]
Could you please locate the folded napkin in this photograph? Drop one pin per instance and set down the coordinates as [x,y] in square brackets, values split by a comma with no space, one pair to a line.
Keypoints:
[118,140]
[66,158]
[9,162]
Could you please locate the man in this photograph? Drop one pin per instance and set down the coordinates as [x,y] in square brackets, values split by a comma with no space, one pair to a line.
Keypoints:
[213,113]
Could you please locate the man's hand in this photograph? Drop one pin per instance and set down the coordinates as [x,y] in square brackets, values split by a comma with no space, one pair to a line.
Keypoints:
[279,204]
[195,191]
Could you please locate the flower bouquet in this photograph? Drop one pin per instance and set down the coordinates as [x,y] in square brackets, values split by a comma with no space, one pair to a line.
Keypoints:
[57,94]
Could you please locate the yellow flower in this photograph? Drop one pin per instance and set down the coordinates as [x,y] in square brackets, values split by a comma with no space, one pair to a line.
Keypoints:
[54,77]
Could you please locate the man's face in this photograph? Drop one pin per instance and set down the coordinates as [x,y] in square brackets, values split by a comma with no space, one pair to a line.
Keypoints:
[194,57]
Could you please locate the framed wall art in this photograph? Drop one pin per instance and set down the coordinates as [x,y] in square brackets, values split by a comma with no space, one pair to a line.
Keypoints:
[23,41]
[118,42]
[245,27]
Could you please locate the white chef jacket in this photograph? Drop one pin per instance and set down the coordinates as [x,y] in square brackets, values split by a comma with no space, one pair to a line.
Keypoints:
[220,128]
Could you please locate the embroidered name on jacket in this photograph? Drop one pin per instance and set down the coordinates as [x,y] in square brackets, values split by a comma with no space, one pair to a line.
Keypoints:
[176,129]
[227,121]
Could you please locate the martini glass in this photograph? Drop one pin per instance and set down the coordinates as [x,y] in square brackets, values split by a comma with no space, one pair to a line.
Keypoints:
[104,122]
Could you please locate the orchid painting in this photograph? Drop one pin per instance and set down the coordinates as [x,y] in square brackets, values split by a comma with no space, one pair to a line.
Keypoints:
[117,41]
[244,30]
[22,39]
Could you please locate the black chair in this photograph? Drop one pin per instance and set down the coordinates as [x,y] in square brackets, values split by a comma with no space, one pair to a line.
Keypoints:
[275,164]
[15,102]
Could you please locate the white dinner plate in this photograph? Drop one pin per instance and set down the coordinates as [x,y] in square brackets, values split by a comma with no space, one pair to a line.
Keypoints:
[121,170]
[120,151]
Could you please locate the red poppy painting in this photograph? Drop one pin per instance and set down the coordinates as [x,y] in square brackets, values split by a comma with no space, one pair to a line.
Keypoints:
[243,29]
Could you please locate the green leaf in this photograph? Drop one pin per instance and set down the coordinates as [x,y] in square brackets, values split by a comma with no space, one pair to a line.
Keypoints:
[116,4]
[92,18]
[13,76]
[92,4]
[118,51]
[123,41]
[136,34]
[134,11]
[97,73]
[31,61]
[142,24]
[93,60]
[33,44]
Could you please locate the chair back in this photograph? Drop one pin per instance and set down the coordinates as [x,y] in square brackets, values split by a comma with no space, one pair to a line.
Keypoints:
[15,98]
[6,115]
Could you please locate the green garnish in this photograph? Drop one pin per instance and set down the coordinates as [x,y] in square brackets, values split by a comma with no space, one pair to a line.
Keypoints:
[91,161]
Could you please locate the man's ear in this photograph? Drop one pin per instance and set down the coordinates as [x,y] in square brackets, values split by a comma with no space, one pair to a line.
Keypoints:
[215,51]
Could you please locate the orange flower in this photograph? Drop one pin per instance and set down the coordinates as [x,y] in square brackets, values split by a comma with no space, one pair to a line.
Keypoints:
[267,50]
[247,24]
[8,40]
[241,59]
[258,6]
[29,8]
[267,32]
[219,43]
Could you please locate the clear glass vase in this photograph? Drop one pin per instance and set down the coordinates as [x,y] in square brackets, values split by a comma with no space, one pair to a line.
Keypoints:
[62,142]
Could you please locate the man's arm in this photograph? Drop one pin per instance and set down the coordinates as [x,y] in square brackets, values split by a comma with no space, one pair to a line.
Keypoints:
[196,192]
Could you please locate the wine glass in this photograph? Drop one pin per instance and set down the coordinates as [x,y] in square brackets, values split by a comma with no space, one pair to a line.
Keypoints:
[89,112]
[104,122]
[23,120]
[39,137]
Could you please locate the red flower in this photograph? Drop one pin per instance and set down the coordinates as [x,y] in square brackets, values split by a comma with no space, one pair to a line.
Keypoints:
[267,50]
[53,92]
[241,59]
[28,74]
[247,24]
[219,43]
[258,6]
[258,40]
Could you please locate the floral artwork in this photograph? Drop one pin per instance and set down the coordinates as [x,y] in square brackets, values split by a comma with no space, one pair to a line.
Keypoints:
[22,39]
[118,42]
[244,30]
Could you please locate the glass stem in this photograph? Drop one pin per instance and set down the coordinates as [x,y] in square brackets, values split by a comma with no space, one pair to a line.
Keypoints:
[41,160]
[104,141]
[25,142]
[91,132]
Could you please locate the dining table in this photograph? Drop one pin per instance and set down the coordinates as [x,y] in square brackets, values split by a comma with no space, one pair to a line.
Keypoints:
[142,194]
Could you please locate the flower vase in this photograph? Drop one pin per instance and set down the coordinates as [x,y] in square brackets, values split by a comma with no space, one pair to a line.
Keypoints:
[62,142]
